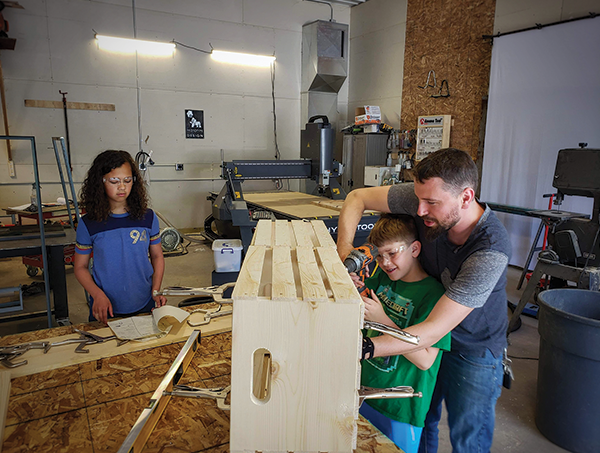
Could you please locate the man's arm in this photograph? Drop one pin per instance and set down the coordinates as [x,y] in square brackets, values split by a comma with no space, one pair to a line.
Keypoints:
[424,358]
[357,201]
[444,317]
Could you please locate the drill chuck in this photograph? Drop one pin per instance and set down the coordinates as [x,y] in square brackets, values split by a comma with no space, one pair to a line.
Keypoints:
[353,262]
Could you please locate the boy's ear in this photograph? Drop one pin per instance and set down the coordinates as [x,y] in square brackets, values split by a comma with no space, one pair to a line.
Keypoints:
[415,249]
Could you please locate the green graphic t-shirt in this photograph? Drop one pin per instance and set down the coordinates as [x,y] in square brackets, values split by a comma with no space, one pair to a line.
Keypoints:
[406,304]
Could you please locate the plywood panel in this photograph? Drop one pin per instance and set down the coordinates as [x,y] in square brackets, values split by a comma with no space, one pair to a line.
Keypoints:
[304,234]
[4,397]
[442,38]
[61,356]
[284,286]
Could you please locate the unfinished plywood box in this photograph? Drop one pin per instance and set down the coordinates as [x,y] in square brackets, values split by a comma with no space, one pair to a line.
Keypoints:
[295,345]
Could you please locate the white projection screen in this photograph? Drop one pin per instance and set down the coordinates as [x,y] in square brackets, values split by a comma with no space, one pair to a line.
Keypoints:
[544,96]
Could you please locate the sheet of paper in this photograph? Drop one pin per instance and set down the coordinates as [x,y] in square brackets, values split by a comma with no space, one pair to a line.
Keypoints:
[20,208]
[135,328]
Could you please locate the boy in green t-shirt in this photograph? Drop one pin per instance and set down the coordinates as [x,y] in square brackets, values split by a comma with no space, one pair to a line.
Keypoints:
[402,294]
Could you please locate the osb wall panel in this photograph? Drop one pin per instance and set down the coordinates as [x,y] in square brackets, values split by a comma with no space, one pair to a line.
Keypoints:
[446,36]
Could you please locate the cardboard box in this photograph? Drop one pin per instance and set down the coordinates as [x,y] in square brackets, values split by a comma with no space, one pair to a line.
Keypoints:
[369,114]
[370,128]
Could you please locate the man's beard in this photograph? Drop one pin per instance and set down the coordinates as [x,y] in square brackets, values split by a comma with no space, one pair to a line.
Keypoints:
[434,232]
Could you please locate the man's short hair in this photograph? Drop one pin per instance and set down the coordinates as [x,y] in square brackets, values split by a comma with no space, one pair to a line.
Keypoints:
[393,228]
[453,166]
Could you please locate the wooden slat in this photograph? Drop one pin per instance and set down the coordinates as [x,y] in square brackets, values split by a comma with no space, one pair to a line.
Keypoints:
[61,356]
[250,274]
[70,105]
[4,396]
[303,232]
[341,284]
[263,233]
[322,233]
[284,286]
[282,233]
[311,280]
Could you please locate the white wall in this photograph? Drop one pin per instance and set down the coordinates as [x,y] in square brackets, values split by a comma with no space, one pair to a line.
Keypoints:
[56,51]
[377,40]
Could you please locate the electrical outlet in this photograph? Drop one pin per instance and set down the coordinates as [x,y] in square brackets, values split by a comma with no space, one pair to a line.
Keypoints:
[179,167]
[11,168]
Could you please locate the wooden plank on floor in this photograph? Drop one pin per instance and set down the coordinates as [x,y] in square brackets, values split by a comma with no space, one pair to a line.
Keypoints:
[70,105]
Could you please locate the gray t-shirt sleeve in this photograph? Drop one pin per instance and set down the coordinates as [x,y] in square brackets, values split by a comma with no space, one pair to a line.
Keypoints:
[476,279]
[402,199]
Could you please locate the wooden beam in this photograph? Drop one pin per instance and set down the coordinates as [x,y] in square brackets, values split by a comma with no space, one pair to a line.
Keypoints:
[143,427]
[70,105]
[61,356]
[4,396]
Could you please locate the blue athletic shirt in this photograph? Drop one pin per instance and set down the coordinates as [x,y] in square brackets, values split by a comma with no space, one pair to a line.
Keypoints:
[122,267]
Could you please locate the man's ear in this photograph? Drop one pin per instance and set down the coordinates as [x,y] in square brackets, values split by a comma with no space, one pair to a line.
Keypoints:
[467,196]
[415,249]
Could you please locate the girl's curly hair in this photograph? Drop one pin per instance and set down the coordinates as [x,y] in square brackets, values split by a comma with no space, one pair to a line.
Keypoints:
[92,194]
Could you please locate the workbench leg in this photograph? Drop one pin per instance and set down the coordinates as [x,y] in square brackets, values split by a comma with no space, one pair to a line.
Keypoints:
[531,252]
[58,282]
[527,295]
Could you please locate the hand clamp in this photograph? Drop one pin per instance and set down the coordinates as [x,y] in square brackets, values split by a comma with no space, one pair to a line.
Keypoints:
[401,391]
[218,394]
[215,291]
[393,331]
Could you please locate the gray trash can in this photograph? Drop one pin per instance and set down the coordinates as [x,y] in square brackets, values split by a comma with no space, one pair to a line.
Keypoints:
[568,392]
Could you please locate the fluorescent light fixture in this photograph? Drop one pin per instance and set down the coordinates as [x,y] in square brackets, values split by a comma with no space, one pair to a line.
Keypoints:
[242,58]
[127,45]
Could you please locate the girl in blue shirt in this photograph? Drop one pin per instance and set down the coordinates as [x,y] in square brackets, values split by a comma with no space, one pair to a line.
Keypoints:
[124,237]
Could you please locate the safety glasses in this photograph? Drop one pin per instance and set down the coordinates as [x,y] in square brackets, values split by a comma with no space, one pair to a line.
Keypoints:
[117,181]
[382,257]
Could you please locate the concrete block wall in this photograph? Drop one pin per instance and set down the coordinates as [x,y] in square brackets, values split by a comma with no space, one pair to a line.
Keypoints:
[56,50]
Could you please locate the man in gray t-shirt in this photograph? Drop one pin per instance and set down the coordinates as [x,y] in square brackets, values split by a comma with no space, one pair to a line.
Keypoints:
[467,249]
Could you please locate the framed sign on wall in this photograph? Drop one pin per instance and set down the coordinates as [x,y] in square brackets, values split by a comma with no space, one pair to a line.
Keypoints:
[194,123]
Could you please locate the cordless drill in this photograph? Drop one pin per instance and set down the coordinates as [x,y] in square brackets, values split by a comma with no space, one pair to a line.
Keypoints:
[358,261]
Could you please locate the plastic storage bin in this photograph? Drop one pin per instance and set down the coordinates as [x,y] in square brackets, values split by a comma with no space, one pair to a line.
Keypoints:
[228,255]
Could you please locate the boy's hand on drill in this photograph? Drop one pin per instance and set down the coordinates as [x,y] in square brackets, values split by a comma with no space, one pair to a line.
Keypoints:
[102,308]
[374,310]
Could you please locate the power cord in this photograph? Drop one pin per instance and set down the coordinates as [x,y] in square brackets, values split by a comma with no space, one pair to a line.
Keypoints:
[278,182]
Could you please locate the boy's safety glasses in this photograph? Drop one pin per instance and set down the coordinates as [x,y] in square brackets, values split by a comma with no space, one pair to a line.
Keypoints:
[382,257]
[115,181]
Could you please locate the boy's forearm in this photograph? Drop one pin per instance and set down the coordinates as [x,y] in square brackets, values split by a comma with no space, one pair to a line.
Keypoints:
[424,358]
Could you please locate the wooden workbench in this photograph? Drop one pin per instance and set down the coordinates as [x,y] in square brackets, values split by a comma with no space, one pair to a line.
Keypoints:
[91,406]
[296,204]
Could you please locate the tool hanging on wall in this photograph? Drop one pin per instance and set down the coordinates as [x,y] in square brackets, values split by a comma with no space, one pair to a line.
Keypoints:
[64,101]
[428,82]
[441,93]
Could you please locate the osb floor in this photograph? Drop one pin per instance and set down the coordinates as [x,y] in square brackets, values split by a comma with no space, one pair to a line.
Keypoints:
[91,407]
